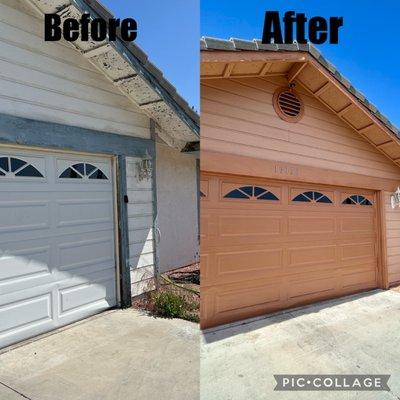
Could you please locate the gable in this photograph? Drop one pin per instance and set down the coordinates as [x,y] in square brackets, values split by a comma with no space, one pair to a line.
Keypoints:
[53,82]
[129,70]
[238,117]
[302,64]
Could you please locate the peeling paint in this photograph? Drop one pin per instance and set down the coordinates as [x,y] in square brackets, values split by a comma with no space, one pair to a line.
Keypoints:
[113,65]
[51,6]
[139,90]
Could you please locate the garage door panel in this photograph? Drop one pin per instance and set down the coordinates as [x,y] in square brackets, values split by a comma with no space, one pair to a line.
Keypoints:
[23,269]
[312,287]
[357,252]
[311,255]
[237,265]
[82,212]
[235,302]
[24,215]
[359,279]
[253,294]
[85,253]
[233,225]
[257,259]
[311,225]
[362,224]
[100,290]
[20,315]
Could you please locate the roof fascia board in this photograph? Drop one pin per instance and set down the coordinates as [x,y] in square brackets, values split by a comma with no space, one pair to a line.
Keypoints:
[252,56]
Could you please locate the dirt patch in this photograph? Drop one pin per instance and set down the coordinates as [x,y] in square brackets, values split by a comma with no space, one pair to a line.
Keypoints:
[178,295]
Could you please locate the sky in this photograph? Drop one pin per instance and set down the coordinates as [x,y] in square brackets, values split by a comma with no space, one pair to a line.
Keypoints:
[169,32]
[368,50]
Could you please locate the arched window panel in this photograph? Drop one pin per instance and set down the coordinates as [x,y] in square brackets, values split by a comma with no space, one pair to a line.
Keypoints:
[15,167]
[357,199]
[251,192]
[83,171]
[312,197]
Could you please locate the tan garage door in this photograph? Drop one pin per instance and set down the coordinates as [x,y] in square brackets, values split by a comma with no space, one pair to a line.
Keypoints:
[269,245]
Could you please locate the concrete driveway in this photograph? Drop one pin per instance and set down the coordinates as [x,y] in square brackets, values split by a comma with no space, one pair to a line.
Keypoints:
[121,354]
[354,335]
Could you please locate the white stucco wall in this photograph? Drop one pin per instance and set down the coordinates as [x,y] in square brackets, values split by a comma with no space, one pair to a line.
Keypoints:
[177,217]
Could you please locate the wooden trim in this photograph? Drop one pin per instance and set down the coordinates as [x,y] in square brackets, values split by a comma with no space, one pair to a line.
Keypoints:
[353,99]
[383,277]
[251,56]
[233,164]
[295,70]
[345,110]
[124,268]
[264,70]
[257,75]
[322,89]
[228,70]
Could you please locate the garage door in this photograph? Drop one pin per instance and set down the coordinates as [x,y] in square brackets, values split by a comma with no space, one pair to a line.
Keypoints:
[57,262]
[267,245]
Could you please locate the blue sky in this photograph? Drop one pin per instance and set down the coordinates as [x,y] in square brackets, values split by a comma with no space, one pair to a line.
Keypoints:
[368,50]
[168,31]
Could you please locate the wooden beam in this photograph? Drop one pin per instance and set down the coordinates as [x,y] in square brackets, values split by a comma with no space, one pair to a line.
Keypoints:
[228,69]
[265,69]
[322,89]
[366,128]
[345,109]
[97,51]
[379,146]
[295,71]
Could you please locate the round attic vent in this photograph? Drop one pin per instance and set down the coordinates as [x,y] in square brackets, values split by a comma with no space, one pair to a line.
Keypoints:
[288,105]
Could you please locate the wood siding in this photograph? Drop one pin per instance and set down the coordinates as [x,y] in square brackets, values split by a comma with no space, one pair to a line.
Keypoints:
[51,81]
[140,227]
[238,118]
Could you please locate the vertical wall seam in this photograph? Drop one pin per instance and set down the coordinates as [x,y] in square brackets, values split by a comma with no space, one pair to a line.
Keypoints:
[125,272]
[154,192]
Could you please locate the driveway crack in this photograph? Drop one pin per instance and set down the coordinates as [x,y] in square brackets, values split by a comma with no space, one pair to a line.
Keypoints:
[15,391]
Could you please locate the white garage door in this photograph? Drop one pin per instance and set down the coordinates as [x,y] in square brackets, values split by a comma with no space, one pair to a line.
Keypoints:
[57,256]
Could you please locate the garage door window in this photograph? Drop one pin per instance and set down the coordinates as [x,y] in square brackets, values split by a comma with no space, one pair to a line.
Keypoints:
[312,197]
[83,171]
[249,192]
[10,166]
[358,200]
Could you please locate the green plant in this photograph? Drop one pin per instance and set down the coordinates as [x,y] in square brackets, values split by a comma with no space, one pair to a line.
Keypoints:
[169,305]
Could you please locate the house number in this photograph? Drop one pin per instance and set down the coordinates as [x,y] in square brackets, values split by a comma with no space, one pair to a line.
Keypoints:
[285,170]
